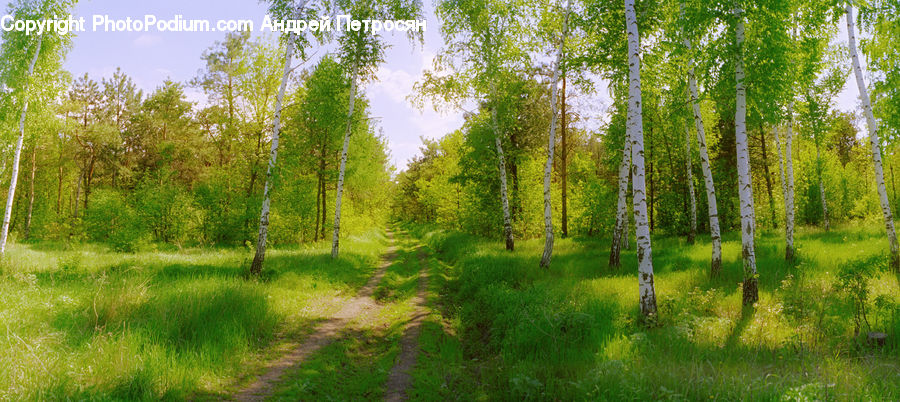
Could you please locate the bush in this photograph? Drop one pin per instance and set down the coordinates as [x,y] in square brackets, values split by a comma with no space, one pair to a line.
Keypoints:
[109,219]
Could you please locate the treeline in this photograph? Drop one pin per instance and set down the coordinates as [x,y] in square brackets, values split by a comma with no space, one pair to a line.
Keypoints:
[103,161]
[450,183]
[752,84]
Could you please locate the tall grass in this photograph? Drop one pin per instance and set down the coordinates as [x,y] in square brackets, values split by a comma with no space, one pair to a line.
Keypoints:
[573,331]
[85,322]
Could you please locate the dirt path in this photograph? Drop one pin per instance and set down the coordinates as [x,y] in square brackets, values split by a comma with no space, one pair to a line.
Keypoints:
[325,333]
[400,378]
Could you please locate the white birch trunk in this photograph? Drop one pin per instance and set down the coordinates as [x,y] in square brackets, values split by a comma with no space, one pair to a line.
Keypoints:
[336,238]
[551,147]
[259,258]
[620,233]
[18,155]
[504,195]
[690,182]
[636,136]
[713,209]
[789,198]
[745,185]
[875,142]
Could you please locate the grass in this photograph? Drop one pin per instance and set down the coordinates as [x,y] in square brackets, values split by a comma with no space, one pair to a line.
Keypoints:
[356,366]
[508,330]
[88,323]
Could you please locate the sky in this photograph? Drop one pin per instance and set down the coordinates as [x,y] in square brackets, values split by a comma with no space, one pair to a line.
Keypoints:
[152,57]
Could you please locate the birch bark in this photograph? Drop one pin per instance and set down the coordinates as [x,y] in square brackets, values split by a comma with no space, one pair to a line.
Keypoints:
[259,258]
[690,183]
[713,209]
[504,195]
[620,233]
[4,232]
[551,147]
[336,238]
[789,198]
[745,185]
[636,137]
[875,142]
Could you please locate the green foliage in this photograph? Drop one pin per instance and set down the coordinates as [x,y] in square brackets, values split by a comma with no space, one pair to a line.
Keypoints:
[110,219]
[574,332]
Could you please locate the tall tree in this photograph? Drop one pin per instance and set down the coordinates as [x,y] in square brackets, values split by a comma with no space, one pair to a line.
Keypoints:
[712,206]
[361,52]
[874,140]
[646,288]
[4,232]
[551,147]
[260,256]
[620,230]
[745,185]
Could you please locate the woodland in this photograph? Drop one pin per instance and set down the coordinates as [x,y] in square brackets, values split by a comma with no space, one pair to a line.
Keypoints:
[720,227]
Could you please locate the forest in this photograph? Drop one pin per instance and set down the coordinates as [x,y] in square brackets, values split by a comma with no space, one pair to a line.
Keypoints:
[646,200]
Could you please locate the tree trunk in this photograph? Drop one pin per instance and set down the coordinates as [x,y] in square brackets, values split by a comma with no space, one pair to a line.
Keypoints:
[821,185]
[256,265]
[4,232]
[88,179]
[324,206]
[789,198]
[504,198]
[564,166]
[745,184]
[551,147]
[318,205]
[765,157]
[336,238]
[636,136]
[31,192]
[620,233]
[784,185]
[690,181]
[875,142]
[713,211]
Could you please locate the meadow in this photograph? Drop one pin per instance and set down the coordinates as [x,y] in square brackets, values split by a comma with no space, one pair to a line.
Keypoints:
[84,322]
[508,330]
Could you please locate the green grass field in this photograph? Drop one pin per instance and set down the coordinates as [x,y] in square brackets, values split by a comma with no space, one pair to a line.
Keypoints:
[87,323]
[509,330]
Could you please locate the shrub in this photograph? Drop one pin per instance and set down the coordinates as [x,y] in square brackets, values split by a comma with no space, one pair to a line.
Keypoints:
[109,219]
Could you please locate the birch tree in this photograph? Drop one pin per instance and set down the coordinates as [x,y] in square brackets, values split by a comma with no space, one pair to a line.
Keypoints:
[620,231]
[4,232]
[713,212]
[745,185]
[259,258]
[690,183]
[482,46]
[646,290]
[361,52]
[874,140]
[548,167]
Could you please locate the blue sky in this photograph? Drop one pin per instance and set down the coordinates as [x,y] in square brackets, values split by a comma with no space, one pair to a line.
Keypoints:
[151,57]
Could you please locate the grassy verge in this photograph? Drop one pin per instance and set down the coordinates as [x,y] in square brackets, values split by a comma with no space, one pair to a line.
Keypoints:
[509,330]
[89,323]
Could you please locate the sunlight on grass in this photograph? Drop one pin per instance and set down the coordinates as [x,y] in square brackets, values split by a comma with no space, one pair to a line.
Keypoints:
[83,322]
